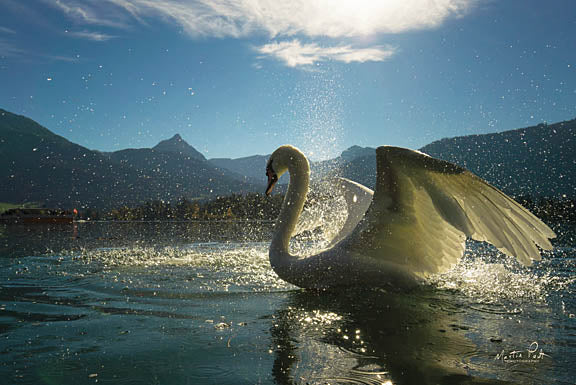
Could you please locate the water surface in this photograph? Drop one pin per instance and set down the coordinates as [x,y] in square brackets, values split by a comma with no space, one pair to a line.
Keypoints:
[197,303]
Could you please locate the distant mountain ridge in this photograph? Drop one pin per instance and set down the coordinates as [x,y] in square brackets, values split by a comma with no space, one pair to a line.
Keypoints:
[533,161]
[354,152]
[536,161]
[252,167]
[40,166]
[21,125]
[37,165]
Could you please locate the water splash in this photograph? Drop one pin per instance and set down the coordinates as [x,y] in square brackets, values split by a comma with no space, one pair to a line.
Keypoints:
[323,217]
[489,276]
[201,267]
[318,109]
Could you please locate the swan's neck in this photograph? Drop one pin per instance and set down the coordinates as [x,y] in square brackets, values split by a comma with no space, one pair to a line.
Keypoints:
[299,171]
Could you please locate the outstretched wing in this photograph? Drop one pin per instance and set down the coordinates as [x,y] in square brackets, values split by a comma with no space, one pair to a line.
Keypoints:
[358,198]
[423,209]
[321,213]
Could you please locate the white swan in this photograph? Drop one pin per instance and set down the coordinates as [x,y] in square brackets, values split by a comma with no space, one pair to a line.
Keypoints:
[417,223]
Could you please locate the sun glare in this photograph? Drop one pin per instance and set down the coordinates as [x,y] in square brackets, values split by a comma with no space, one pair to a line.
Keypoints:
[360,16]
[365,17]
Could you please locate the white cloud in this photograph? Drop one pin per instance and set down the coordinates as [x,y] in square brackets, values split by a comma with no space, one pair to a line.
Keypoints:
[67,59]
[7,30]
[293,53]
[237,18]
[90,12]
[9,50]
[95,36]
[335,19]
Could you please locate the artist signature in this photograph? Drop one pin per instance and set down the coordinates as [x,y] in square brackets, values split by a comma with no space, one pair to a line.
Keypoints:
[530,355]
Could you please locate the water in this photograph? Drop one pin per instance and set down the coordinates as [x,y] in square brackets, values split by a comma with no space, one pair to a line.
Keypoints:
[197,303]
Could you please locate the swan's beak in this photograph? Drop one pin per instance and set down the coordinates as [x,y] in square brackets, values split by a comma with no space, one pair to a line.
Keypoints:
[272,179]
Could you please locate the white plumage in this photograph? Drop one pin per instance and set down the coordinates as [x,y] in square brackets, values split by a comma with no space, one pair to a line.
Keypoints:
[416,224]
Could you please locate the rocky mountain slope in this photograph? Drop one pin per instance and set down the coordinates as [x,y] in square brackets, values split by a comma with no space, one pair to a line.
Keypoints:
[40,166]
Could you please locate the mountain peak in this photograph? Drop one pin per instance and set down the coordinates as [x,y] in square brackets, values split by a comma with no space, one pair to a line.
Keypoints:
[178,145]
[357,152]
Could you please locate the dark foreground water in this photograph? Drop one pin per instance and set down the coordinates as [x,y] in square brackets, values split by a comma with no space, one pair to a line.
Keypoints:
[176,303]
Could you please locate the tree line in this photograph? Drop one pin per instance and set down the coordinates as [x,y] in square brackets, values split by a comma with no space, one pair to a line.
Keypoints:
[251,206]
[256,206]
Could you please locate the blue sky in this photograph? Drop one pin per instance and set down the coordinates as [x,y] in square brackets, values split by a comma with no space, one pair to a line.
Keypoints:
[241,77]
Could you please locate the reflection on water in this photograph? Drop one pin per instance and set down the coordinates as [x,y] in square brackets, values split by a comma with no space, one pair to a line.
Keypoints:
[185,304]
[371,337]
[384,338]
[25,240]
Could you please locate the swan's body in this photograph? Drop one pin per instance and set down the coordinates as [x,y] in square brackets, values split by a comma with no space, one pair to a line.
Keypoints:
[416,224]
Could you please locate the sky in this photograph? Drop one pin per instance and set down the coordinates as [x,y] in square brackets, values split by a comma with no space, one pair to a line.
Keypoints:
[240,77]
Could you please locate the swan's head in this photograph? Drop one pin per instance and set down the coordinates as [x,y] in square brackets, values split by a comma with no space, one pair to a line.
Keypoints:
[283,159]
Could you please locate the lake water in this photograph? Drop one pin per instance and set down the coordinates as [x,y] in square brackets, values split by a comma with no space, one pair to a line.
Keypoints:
[197,303]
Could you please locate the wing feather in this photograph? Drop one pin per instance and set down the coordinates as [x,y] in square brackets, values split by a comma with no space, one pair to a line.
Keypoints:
[424,208]
[358,198]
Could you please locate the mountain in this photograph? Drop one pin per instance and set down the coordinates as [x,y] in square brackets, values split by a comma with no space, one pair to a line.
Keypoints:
[178,173]
[37,165]
[536,161]
[342,165]
[12,124]
[40,166]
[177,145]
[252,167]
[356,152]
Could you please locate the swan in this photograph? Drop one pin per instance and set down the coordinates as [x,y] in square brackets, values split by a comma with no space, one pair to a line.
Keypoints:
[415,222]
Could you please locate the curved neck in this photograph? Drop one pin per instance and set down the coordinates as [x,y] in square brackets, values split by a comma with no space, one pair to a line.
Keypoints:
[299,171]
